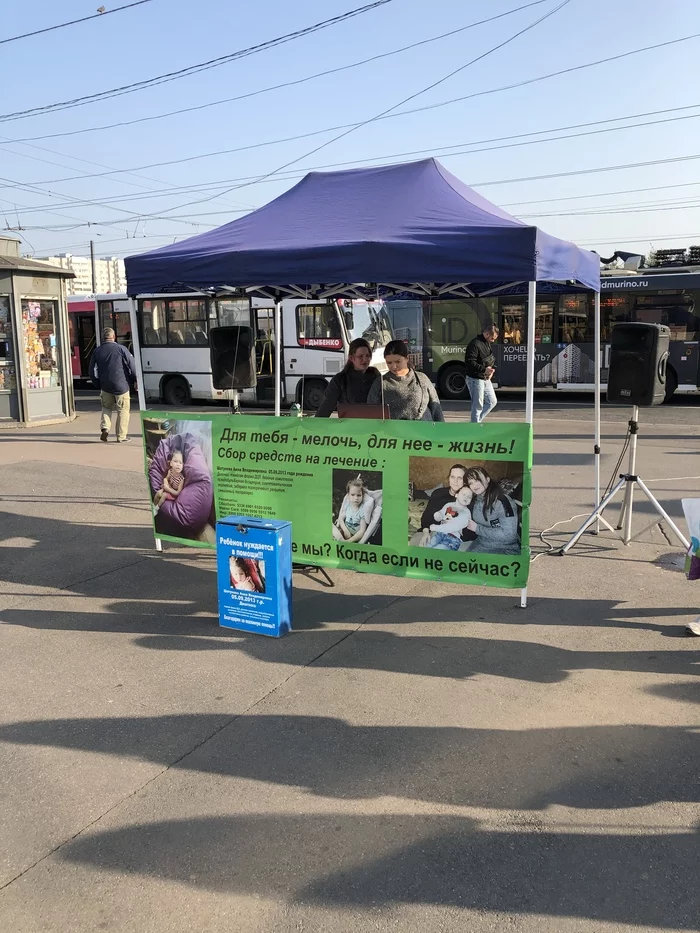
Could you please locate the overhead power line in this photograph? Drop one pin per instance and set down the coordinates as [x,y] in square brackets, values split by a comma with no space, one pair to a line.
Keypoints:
[192,69]
[514,140]
[391,116]
[612,211]
[602,194]
[73,22]
[383,113]
[285,84]
[582,171]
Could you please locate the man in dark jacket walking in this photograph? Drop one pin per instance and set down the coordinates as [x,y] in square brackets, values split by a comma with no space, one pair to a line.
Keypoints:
[114,373]
[480,364]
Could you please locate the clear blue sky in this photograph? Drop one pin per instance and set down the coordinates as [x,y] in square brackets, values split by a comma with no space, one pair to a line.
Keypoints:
[166,35]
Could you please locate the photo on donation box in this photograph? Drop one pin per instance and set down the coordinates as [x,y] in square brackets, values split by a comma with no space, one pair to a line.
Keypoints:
[466,505]
[247,574]
[357,506]
[179,462]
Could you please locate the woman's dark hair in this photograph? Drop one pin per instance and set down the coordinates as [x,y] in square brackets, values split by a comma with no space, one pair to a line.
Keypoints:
[491,492]
[457,466]
[396,348]
[357,344]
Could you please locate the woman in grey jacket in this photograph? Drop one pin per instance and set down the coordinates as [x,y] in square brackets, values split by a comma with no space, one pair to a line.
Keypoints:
[410,395]
[494,515]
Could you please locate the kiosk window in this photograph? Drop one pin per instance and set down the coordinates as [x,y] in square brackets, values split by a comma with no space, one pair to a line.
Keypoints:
[40,344]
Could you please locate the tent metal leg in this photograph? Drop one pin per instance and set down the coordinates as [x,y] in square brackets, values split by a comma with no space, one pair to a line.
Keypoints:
[136,344]
[278,358]
[530,383]
[596,399]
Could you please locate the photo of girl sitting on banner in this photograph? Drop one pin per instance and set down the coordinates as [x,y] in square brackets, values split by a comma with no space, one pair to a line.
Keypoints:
[357,507]
[476,510]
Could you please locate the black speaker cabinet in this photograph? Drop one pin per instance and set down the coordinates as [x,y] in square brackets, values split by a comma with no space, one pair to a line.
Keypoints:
[232,351]
[638,355]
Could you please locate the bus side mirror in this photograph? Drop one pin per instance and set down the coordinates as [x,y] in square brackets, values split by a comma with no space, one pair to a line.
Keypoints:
[349,320]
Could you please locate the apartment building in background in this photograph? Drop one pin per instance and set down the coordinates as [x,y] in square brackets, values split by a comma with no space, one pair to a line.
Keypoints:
[109,273]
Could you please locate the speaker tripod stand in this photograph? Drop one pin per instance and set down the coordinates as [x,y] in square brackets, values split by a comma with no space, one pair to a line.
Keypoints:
[627,481]
[231,396]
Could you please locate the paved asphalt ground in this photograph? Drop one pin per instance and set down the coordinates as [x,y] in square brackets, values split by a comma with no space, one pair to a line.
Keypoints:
[415,757]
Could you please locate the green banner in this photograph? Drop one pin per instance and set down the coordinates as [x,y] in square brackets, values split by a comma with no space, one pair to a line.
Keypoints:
[408,498]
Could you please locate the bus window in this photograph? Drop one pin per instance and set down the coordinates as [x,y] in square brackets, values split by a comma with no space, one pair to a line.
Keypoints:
[105,309]
[154,329]
[187,322]
[514,323]
[121,323]
[675,309]
[318,326]
[234,312]
[575,320]
[613,310]
[368,320]
[513,329]
[544,321]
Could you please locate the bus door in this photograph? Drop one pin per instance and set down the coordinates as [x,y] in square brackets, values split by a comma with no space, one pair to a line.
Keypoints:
[115,314]
[313,348]
[511,359]
[263,324]
[85,325]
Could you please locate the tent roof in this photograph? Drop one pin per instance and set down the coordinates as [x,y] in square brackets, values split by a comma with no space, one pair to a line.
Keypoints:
[387,227]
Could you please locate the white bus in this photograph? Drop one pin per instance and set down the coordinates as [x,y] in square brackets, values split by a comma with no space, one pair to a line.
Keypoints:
[174,338]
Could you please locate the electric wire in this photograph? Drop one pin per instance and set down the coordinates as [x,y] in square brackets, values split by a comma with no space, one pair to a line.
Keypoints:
[405,100]
[512,141]
[73,22]
[392,116]
[192,69]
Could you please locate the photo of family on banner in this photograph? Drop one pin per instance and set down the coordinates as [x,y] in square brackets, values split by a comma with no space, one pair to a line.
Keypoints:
[429,500]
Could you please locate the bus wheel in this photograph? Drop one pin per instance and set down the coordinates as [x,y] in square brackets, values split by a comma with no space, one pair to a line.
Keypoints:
[671,383]
[176,392]
[452,383]
[313,395]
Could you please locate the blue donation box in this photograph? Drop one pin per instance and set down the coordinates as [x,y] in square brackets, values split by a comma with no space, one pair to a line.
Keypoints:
[254,563]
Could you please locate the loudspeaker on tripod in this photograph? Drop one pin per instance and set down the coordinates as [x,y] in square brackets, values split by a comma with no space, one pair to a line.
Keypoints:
[638,356]
[232,353]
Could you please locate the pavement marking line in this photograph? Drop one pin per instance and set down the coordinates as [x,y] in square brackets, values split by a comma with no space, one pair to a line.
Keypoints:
[670,479]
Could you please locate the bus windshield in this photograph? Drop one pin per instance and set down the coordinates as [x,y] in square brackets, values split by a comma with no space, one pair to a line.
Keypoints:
[367,319]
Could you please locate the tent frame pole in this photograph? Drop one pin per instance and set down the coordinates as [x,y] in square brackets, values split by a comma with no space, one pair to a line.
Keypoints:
[140,388]
[278,358]
[530,380]
[596,400]
[136,345]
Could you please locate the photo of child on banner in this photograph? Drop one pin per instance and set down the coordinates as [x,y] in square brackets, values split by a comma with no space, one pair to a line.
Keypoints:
[357,507]
[180,477]
[474,505]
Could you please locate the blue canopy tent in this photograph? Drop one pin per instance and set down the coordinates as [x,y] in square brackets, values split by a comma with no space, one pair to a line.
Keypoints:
[394,224]
[411,228]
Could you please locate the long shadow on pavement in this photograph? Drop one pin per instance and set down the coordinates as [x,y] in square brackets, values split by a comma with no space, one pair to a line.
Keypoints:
[591,767]
[350,861]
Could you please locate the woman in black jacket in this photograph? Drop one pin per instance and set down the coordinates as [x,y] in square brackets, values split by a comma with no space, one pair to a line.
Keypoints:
[353,382]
